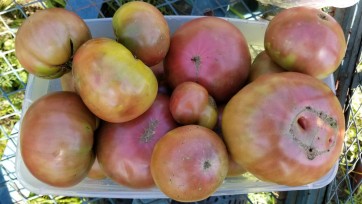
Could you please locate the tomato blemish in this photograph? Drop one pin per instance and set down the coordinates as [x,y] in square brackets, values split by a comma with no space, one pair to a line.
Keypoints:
[150,131]
[207,164]
[197,61]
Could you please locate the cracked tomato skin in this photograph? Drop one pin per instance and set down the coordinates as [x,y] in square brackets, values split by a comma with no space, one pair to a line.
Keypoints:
[285,128]
[112,83]
[47,40]
[189,163]
[56,139]
[124,149]
[305,40]
[212,52]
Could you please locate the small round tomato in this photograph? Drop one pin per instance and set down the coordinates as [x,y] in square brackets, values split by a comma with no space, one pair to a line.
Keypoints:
[143,29]
[56,139]
[189,163]
[112,83]
[46,41]
[191,104]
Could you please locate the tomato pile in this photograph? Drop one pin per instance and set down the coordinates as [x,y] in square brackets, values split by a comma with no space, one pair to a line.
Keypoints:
[181,112]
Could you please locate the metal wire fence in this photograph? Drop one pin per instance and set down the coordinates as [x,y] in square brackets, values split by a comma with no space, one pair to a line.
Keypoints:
[345,188]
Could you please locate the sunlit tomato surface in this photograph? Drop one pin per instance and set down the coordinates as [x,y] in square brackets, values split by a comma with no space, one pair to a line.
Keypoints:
[305,40]
[285,128]
[143,29]
[263,64]
[189,163]
[124,149]
[47,40]
[112,83]
[56,139]
[212,52]
[191,104]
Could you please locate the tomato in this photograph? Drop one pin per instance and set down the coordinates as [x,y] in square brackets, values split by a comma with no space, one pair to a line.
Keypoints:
[212,52]
[96,172]
[189,163]
[191,104]
[143,29]
[124,149]
[305,40]
[234,168]
[112,83]
[46,41]
[67,82]
[285,128]
[56,139]
[263,64]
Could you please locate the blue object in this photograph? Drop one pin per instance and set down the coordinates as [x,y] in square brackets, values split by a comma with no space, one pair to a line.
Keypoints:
[86,9]
[210,7]
[4,192]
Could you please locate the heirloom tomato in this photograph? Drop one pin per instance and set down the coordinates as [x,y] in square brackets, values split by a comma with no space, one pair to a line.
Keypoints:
[112,83]
[46,41]
[189,163]
[212,52]
[142,28]
[124,149]
[285,128]
[191,104]
[56,139]
[306,40]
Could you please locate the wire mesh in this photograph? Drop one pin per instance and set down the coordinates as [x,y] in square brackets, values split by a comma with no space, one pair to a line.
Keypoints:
[13,79]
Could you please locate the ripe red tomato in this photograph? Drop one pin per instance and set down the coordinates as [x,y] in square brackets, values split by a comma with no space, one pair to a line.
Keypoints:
[124,149]
[143,29]
[212,52]
[191,104]
[112,83]
[285,128]
[47,40]
[306,40]
[189,163]
[263,64]
[56,139]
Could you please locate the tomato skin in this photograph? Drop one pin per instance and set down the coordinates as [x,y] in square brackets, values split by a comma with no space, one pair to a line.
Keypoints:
[112,83]
[124,149]
[143,29]
[263,64]
[234,169]
[44,47]
[305,40]
[285,128]
[189,163]
[96,172]
[190,103]
[56,139]
[208,50]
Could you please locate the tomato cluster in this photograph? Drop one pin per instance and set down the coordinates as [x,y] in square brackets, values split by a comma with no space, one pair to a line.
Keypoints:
[181,112]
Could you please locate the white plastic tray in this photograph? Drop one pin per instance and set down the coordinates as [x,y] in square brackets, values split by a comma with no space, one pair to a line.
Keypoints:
[36,87]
